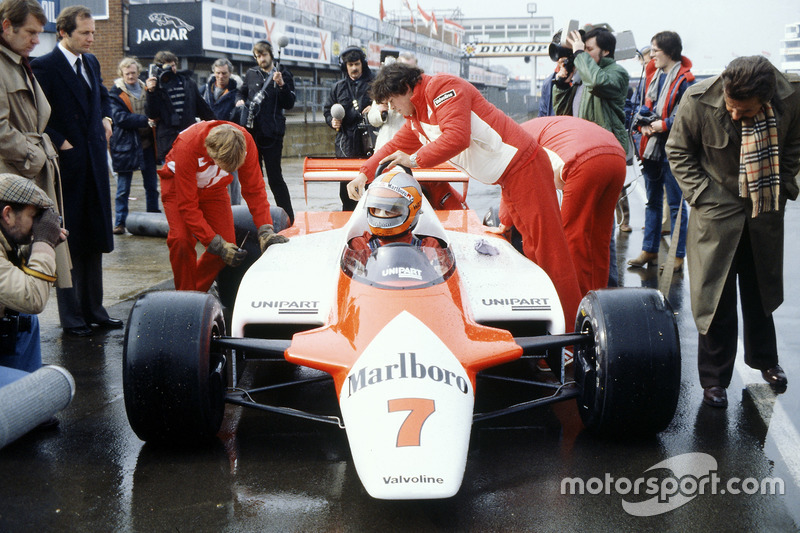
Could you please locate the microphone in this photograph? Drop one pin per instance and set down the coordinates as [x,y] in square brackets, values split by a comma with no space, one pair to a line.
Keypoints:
[337,111]
[283,42]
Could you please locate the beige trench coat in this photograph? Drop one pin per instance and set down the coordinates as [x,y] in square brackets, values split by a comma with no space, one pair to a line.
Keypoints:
[703,150]
[25,149]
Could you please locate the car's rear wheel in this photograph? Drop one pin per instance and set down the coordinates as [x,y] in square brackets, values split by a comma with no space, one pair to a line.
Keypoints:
[173,378]
[629,378]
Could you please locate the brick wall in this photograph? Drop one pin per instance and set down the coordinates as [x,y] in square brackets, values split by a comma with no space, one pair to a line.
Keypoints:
[108,43]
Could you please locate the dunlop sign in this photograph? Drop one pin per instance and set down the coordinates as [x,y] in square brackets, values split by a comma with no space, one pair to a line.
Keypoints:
[505,49]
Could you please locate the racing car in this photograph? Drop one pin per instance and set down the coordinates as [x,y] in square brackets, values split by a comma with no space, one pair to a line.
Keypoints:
[406,337]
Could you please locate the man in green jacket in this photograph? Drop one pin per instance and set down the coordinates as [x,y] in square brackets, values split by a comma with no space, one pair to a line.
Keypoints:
[735,150]
[596,88]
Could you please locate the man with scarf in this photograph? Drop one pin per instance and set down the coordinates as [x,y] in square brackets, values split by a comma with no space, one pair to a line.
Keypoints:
[735,150]
[667,76]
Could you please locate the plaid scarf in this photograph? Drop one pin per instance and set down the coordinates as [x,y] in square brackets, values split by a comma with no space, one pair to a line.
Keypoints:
[759,172]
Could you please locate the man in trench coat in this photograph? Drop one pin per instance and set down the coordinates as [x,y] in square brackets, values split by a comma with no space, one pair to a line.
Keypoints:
[25,149]
[727,238]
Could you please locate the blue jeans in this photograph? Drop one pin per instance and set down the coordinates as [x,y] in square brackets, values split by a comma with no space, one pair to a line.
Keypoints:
[150,180]
[27,356]
[657,178]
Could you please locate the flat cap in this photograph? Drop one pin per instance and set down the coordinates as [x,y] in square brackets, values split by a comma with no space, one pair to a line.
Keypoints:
[18,190]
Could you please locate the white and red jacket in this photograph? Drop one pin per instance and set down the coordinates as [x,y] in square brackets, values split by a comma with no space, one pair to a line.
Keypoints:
[454,122]
[189,164]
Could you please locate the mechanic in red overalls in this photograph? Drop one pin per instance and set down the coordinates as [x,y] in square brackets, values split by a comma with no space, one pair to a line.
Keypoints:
[194,191]
[589,167]
[448,119]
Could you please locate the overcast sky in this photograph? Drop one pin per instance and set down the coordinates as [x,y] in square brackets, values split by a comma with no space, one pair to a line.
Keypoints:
[713,31]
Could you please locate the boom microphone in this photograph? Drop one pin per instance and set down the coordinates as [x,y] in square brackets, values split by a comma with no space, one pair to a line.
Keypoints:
[337,111]
[283,41]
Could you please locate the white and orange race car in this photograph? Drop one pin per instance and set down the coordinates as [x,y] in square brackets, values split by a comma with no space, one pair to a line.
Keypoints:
[406,336]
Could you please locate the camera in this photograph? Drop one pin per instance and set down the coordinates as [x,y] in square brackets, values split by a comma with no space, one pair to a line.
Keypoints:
[11,324]
[557,51]
[163,75]
[644,117]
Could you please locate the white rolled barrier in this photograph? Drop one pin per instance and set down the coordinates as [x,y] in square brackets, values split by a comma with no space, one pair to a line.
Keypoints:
[29,401]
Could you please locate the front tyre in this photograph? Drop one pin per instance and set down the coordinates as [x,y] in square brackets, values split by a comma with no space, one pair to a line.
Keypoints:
[629,378]
[173,380]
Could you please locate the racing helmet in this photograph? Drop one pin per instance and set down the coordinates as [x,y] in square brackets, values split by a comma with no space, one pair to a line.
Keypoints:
[393,204]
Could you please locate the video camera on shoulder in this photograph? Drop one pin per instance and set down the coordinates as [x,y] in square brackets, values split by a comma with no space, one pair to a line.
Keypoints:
[558,51]
[160,73]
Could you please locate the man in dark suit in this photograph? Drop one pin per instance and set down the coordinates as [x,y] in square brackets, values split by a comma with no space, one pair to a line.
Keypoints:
[80,126]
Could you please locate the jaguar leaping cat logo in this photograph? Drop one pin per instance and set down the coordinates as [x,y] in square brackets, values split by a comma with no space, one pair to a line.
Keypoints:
[162,19]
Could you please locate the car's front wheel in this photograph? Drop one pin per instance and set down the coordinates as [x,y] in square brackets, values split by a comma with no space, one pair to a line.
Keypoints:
[629,378]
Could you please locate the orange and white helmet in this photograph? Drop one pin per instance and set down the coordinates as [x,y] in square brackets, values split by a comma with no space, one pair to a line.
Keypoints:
[393,203]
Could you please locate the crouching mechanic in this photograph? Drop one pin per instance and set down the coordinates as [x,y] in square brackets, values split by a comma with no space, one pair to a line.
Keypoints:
[448,119]
[393,206]
[29,231]
[194,191]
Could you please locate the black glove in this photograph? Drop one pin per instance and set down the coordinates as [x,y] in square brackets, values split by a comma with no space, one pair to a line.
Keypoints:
[229,252]
[267,237]
[47,227]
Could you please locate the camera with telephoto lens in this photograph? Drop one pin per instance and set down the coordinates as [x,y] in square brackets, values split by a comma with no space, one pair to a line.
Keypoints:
[644,116]
[10,325]
[160,73]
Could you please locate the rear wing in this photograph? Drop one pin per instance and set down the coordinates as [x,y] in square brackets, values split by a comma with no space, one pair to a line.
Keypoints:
[332,169]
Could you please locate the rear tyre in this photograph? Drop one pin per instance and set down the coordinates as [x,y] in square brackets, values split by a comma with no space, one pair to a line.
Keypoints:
[173,380]
[629,379]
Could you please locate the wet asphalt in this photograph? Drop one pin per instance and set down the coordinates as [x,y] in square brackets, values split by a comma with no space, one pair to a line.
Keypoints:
[268,472]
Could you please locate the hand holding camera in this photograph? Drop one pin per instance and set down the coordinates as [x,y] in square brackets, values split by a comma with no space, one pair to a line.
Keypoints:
[47,227]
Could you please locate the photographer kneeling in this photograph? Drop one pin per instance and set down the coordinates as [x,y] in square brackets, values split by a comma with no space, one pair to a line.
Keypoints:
[29,231]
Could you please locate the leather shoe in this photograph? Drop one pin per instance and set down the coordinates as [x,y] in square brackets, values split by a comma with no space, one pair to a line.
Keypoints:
[111,323]
[645,258]
[775,376]
[715,396]
[119,230]
[625,228]
[80,331]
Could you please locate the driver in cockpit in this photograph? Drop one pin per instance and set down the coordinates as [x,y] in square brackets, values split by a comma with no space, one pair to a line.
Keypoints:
[393,207]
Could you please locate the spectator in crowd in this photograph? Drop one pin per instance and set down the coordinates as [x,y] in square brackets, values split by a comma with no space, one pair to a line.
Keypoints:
[446,107]
[25,149]
[734,148]
[80,126]
[268,91]
[351,93]
[132,144]
[194,191]
[221,91]
[30,229]
[173,102]
[595,90]
[668,75]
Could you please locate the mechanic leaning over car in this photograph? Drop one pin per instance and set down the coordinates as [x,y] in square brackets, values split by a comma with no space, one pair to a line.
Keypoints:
[448,119]
[30,229]
[194,192]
